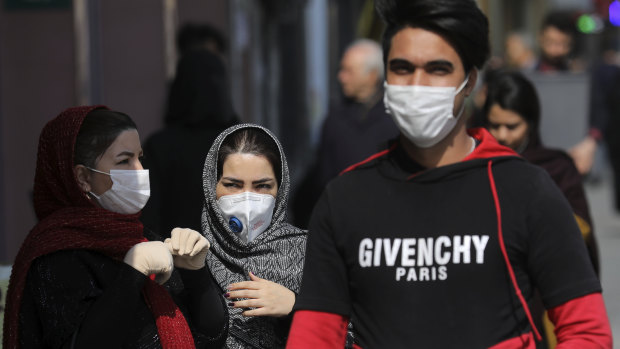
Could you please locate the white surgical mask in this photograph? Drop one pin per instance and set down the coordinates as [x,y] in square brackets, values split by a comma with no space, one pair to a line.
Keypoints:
[248,214]
[424,114]
[129,193]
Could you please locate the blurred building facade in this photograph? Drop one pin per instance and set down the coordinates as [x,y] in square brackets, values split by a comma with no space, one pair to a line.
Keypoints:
[283,57]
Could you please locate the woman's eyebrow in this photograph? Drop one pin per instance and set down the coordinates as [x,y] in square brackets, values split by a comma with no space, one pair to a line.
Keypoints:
[125,153]
[232,179]
[262,180]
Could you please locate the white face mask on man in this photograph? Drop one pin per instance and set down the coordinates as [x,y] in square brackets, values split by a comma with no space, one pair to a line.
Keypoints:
[129,193]
[248,214]
[424,114]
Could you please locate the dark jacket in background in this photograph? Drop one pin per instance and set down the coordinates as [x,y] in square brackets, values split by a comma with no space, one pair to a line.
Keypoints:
[199,108]
[562,170]
[351,132]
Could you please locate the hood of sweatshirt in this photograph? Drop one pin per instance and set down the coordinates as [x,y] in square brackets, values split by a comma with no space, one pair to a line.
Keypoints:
[395,163]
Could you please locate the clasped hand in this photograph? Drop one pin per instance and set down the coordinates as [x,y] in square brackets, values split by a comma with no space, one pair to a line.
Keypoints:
[151,257]
[188,248]
[266,297]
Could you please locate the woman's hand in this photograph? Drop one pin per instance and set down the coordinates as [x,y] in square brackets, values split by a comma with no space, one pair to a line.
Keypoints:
[151,257]
[188,248]
[265,297]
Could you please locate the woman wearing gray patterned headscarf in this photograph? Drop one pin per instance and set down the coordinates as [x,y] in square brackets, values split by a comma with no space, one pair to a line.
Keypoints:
[256,256]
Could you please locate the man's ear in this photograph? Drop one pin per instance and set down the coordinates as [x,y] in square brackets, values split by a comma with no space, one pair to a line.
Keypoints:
[471,82]
[82,174]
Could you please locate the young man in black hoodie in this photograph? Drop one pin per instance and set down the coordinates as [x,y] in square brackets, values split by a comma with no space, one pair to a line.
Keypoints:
[441,240]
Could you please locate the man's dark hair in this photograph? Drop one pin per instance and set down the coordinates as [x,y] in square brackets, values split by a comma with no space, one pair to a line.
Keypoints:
[98,131]
[561,20]
[460,22]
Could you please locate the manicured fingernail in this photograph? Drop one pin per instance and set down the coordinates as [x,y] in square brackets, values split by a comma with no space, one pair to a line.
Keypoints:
[231,304]
[227,295]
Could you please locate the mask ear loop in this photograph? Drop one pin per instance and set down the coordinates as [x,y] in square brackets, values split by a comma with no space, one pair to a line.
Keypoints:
[458,90]
[463,84]
[90,192]
[92,169]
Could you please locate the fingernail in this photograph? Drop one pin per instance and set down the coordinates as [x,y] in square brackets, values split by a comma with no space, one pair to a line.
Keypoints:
[227,295]
[231,304]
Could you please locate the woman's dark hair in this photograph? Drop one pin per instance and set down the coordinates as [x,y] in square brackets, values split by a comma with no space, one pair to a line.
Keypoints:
[512,91]
[193,36]
[460,22]
[250,141]
[98,131]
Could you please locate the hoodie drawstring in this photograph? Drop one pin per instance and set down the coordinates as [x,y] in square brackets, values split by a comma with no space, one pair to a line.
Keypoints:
[502,246]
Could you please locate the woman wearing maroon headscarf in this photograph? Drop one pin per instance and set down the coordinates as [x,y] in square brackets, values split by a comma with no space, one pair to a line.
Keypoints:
[86,276]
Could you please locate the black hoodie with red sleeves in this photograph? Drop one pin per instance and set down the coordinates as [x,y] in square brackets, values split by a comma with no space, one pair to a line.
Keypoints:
[418,256]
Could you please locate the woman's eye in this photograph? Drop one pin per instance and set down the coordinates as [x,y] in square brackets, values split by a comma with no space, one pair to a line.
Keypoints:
[126,161]
[231,185]
[264,186]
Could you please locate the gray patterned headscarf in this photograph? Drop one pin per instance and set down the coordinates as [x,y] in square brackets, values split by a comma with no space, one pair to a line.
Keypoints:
[277,254]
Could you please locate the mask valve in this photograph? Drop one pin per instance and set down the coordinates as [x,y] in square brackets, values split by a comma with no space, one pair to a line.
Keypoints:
[235,225]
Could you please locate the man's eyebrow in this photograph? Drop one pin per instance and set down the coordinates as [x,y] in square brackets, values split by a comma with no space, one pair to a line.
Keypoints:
[400,61]
[434,63]
[441,63]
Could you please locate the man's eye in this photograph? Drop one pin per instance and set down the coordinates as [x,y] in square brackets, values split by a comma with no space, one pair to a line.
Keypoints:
[439,70]
[401,68]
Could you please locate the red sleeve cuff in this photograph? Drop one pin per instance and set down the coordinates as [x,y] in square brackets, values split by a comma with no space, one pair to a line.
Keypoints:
[316,329]
[582,323]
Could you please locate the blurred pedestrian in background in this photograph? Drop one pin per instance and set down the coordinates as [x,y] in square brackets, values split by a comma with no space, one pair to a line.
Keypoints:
[354,128]
[199,108]
[201,36]
[519,51]
[512,111]
[556,40]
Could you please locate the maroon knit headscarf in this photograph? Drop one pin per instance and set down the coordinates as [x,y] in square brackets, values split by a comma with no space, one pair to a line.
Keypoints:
[69,220]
